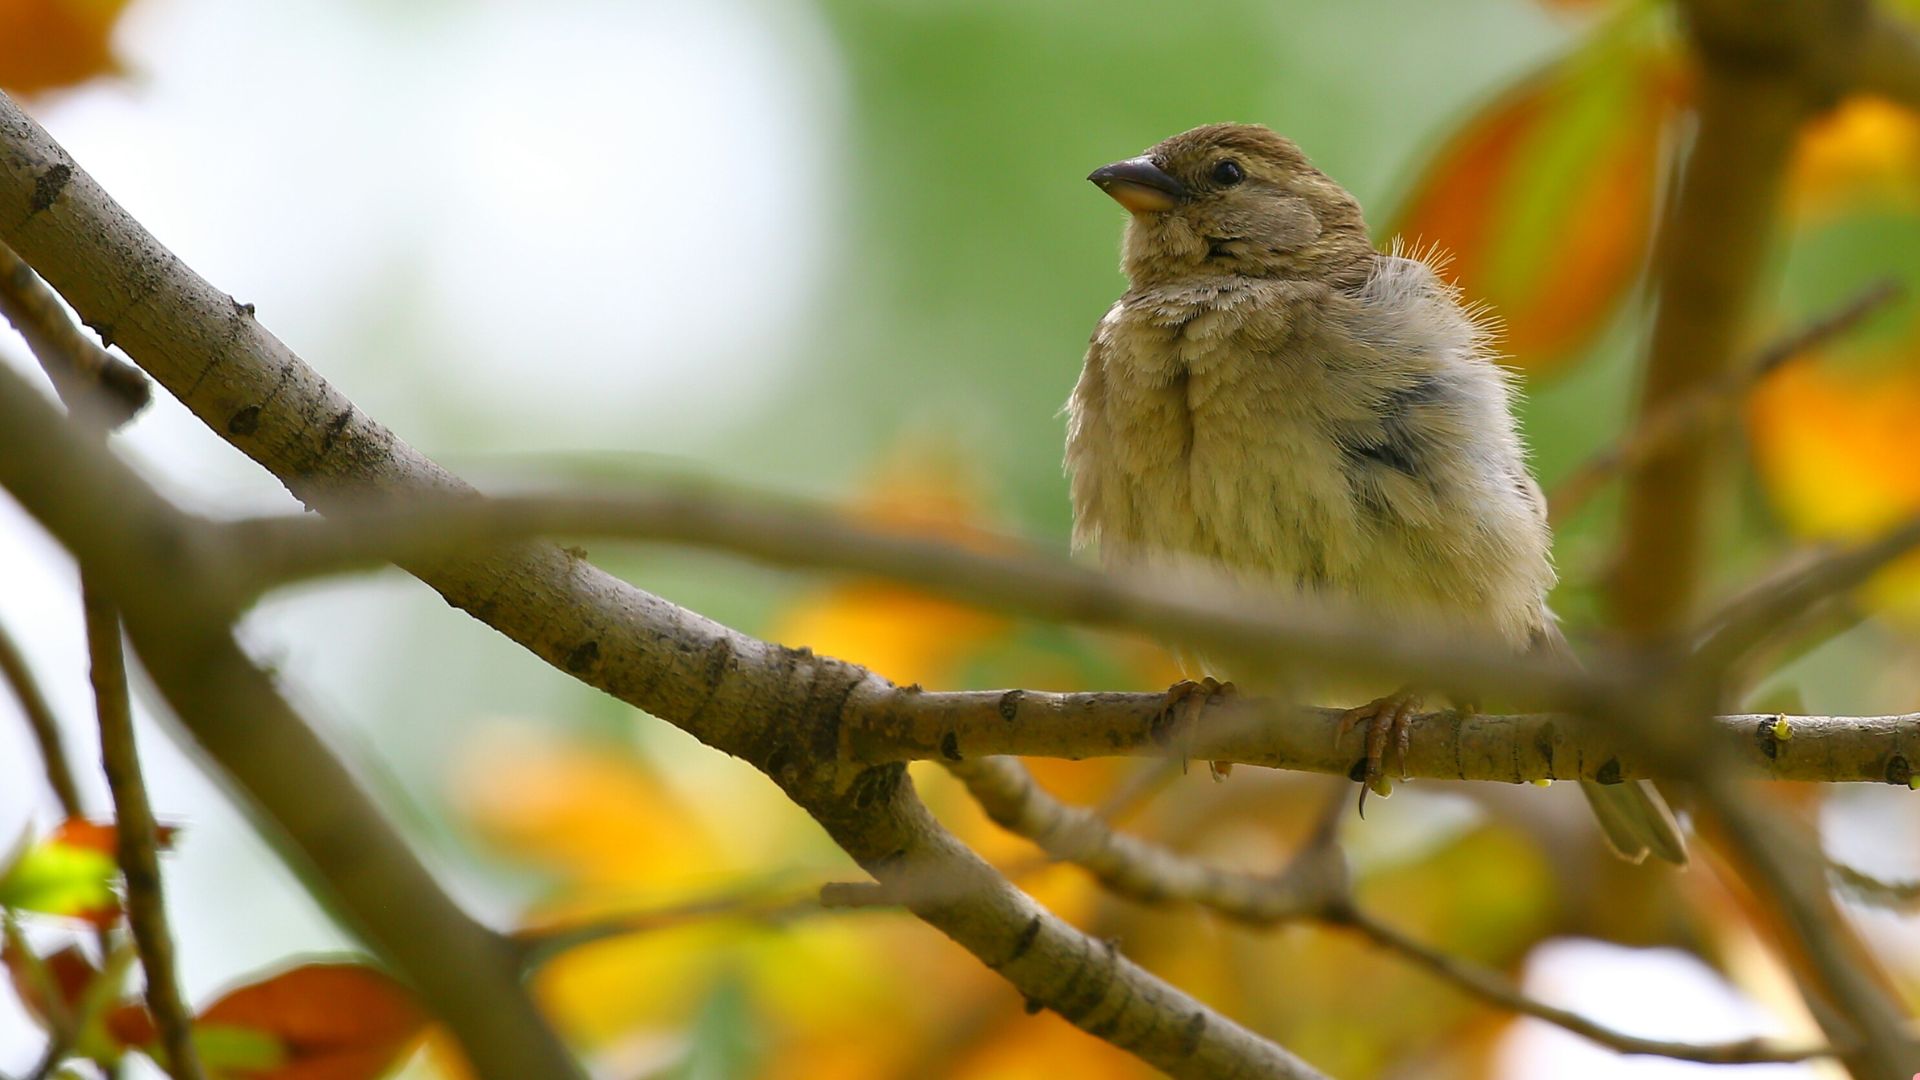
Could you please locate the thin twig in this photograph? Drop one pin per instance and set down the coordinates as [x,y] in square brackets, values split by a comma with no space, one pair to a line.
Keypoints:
[86,375]
[540,945]
[136,836]
[1313,886]
[1658,429]
[1874,891]
[41,721]
[1772,851]
[1491,987]
[1751,618]
[1133,867]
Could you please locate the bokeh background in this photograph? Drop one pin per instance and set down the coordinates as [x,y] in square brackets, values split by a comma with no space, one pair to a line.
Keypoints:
[844,249]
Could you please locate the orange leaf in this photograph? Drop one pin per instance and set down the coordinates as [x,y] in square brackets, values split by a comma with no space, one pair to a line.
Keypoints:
[1544,199]
[104,836]
[51,43]
[339,1021]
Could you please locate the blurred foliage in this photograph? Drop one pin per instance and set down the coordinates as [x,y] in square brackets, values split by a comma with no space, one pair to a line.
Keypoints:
[48,44]
[337,1020]
[1530,143]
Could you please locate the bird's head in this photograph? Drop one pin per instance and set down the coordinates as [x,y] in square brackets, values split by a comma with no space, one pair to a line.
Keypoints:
[1234,199]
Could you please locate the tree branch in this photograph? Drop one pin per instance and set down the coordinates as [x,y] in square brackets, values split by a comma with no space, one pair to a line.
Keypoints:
[42,723]
[721,686]
[1270,630]
[136,837]
[156,565]
[112,388]
[1446,745]
[1313,886]
[1496,990]
[1766,68]
[1749,620]
[1136,869]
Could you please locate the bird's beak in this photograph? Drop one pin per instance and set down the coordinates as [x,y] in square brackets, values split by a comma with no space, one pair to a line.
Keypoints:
[1139,185]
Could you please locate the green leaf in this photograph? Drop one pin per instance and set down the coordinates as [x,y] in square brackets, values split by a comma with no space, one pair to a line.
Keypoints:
[229,1048]
[725,1042]
[54,878]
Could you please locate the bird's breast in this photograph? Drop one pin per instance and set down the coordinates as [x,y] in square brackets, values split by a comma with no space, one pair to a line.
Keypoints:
[1223,458]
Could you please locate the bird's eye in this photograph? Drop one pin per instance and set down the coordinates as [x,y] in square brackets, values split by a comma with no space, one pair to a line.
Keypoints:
[1227,173]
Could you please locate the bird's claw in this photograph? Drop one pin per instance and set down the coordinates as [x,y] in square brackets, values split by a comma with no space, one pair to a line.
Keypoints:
[1387,719]
[1186,700]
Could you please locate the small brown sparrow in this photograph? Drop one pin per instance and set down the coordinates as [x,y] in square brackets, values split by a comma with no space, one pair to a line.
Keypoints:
[1274,398]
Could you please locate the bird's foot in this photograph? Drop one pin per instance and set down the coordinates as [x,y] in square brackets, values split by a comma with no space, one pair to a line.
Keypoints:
[1186,700]
[1387,719]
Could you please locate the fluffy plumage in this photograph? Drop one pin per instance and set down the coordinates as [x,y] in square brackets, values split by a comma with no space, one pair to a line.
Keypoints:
[1275,398]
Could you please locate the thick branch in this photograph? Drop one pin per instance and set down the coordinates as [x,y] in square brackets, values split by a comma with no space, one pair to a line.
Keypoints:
[910,725]
[1269,629]
[1710,251]
[777,708]
[963,725]
[1766,68]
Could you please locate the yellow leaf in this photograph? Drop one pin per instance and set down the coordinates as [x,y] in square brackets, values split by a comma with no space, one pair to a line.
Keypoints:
[1866,149]
[1839,454]
[903,634]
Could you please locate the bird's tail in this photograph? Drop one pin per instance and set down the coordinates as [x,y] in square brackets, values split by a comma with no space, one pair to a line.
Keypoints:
[1636,821]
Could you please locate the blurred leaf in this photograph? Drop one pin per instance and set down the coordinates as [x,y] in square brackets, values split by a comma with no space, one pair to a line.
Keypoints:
[599,816]
[52,43]
[108,1028]
[1865,150]
[237,1051]
[904,634]
[1837,452]
[1542,202]
[68,968]
[104,837]
[57,878]
[322,1021]
[725,1043]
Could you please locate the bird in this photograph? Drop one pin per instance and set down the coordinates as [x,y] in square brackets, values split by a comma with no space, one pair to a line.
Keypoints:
[1275,399]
